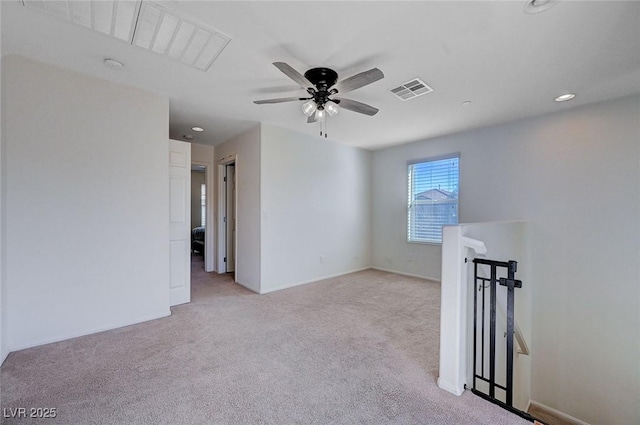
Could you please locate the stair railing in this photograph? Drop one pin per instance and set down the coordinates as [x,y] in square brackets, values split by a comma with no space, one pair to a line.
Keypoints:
[479,314]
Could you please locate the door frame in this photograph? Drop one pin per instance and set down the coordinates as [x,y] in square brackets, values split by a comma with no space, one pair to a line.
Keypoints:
[209,227]
[230,224]
[179,170]
[221,213]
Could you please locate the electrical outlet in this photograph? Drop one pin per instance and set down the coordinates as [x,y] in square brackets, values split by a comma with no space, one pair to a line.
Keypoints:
[322,259]
[409,258]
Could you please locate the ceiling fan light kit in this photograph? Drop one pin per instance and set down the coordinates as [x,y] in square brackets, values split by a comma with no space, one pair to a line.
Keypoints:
[332,108]
[322,84]
[309,107]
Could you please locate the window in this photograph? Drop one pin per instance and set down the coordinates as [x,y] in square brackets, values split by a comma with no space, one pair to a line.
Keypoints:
[203,203]
[433,197]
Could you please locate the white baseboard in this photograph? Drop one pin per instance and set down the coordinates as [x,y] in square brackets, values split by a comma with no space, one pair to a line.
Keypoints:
[291,285]
[405,274]
[453,389]
[248,287]
[553,412]
[88,332]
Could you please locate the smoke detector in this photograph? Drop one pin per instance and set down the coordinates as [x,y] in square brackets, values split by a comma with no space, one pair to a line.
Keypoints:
[113,64]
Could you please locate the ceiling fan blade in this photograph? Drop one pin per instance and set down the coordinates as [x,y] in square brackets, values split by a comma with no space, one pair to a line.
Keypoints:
[294,75]
[358,80]
[280,100]
[355,106]
[311,119]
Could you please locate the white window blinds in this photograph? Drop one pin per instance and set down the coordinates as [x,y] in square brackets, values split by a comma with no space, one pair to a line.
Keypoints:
[433,198]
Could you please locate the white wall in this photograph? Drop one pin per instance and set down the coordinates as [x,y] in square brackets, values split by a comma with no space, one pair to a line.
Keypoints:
[3,347]
[316,208]
[197,179]
[85,192]
[575,176]
[247,148]
[201,153]
[299,198]
[390,250]
[204,155]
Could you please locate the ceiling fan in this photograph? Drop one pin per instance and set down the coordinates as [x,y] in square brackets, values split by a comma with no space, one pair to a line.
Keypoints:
[322,84]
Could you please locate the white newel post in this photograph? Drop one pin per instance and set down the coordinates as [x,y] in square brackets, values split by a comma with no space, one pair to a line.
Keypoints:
[453,308]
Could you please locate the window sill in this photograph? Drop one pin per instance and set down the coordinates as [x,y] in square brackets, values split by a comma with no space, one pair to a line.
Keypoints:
[425,243]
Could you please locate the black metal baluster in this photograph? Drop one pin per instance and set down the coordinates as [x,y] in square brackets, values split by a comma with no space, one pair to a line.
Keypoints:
[484,315]
[475,322]
[492,335]
[510,324]
[510,283]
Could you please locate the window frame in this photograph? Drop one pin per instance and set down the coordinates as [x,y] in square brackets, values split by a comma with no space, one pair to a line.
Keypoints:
[410,201]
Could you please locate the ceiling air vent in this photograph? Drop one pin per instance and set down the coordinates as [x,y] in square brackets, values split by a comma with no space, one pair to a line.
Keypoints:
[144,24]
[411,89]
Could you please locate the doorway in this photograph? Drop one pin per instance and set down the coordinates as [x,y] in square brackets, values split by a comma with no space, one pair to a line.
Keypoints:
[198,211]
[203,206]
[230,217]
[227,216]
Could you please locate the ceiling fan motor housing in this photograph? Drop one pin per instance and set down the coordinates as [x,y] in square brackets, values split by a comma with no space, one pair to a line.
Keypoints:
[323,79]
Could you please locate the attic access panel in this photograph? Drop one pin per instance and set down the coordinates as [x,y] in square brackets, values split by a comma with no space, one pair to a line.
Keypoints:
[144,24]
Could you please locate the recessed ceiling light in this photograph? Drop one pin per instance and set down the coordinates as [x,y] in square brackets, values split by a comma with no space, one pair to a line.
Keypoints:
[187,137]
[466,103]
[113,64]
[565,97]
[200,129]
[537,6]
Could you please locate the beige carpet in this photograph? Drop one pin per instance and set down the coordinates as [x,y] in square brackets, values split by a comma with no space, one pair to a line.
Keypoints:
[358,349]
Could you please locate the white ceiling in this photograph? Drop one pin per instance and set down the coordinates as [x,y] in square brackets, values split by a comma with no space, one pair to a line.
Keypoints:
[509,64]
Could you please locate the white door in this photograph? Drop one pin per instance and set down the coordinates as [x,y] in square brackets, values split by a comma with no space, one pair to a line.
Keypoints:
[231,217]
[180,222]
